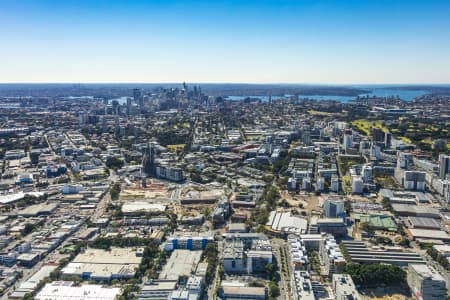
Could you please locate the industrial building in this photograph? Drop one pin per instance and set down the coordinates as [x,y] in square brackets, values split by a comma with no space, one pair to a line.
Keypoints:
[66,290]
[282,223]
[423,223]
[427,234]
[180,265]
[406,210]
[157,289]
[360,253]
[102,265]
[32,283]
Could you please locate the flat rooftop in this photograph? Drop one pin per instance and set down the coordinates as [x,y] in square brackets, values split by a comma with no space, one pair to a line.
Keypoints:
[114,256]
[181,263]
[427,272]
[64,290]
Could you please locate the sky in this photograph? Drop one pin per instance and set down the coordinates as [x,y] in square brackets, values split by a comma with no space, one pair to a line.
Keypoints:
[241,41]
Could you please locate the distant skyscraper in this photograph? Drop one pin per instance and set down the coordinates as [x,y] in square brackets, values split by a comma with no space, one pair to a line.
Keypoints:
[116,124]
[138,98]
[115,106]
[82,119]
[104,124]
[444,165]
[128,106]
[306,138]
[136,94]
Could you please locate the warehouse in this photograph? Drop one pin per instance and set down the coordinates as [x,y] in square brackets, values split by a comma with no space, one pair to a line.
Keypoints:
[102,265]
[428,234]
[133,207]
[38,210]
[66,290]
[182,263]
[414,210]
[423,223]
[285,222]
[360,253]
[31,284]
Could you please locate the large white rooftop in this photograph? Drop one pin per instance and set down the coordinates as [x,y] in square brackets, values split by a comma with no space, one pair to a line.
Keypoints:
[65,290]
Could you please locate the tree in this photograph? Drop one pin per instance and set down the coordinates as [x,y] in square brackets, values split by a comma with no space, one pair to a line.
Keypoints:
[348,207]
[386,204]
[207,212]
[34,157]
[374,275]
[115,191]
[221,271]
[284,203]
[114,163]
[28,229]
[210,254]
[274,290]
[383,240]
[364,226]
[404,242]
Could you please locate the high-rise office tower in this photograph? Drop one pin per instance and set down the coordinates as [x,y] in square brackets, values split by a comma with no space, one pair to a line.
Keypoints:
[148,160]
[128,106]
[348,139]
[387,139]
[367,173]
[377,135]
[444,165]
[138,98]
[334,208]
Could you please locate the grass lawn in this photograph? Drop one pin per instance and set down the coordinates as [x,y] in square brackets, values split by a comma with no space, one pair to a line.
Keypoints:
[175,148]
[406,140]
[321,113]
[366,125]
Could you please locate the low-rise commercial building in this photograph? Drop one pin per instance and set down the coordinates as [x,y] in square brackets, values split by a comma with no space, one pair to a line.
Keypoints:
[344,288]
[426,283]
[243,293]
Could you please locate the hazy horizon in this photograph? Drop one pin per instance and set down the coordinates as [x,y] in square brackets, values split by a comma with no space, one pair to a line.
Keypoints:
[418,84]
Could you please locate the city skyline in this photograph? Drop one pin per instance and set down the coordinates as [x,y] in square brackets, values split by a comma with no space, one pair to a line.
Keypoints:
[313,42]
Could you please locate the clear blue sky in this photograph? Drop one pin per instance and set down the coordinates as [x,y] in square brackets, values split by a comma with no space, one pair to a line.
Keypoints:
[335,41]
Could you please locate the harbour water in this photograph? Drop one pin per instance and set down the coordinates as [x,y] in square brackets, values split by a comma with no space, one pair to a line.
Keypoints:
[407,95]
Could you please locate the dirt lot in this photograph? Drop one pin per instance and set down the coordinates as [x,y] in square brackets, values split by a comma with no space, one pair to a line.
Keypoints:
[309,202]
[391,293]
